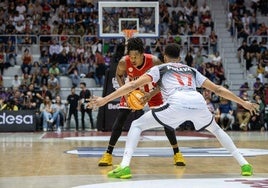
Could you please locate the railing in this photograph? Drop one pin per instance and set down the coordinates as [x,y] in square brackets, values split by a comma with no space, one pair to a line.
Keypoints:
[44,41]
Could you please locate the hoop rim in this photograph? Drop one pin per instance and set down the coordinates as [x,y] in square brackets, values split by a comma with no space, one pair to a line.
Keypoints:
[128,33]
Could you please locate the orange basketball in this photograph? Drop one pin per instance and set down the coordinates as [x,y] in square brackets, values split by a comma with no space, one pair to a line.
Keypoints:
[134,101]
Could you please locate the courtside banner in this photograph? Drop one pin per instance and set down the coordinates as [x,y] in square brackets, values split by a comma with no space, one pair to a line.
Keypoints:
[17,121]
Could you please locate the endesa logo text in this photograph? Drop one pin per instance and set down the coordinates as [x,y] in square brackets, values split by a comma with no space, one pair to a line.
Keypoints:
[112,106]
[16,119]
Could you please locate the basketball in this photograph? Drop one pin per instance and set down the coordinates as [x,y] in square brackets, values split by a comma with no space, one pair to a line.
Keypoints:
[134,101]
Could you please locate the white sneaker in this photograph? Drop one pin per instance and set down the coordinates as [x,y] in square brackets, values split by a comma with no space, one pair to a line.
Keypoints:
[59,130]
[50,121]
[45,129]
[243,126]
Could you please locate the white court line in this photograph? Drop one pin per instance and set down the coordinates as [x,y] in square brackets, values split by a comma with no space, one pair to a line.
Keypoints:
[185,183]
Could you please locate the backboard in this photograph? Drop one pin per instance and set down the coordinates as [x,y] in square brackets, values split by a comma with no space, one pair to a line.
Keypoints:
[116,16]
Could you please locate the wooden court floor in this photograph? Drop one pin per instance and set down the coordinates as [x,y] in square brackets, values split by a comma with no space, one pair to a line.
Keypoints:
[40,159]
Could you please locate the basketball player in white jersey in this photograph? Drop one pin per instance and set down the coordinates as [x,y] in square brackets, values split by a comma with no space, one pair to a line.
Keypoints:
[178,84]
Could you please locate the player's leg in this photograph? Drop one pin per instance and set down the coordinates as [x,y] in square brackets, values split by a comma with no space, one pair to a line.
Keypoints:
[226,141]
[137,126]
[171,135]
[117,127]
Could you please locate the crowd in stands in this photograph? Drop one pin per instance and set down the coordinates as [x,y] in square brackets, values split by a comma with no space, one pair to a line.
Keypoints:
[58,23]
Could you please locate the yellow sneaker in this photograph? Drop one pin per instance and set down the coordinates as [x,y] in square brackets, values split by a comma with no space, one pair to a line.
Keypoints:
[106,160]
[179,160]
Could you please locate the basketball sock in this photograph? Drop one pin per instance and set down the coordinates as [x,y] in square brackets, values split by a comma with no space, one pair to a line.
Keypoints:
[170,133]
[110,149]
[131,144]
[226,142]
[175,149]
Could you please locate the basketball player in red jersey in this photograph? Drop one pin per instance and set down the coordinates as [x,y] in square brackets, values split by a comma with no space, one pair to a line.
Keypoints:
[131,67]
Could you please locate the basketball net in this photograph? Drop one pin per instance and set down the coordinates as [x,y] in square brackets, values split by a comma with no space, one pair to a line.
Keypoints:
[129,33]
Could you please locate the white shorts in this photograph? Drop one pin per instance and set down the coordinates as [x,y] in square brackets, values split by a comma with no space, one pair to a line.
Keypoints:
[169,116]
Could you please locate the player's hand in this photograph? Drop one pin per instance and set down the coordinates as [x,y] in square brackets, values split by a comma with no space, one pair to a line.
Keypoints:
[95,102]
[253,108]
[147,97]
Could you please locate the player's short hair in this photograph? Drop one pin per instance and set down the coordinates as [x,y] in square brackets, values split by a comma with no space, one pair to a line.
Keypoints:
[135,44]
[172,51]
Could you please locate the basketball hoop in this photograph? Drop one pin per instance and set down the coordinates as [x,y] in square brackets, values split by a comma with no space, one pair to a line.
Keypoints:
[129,33]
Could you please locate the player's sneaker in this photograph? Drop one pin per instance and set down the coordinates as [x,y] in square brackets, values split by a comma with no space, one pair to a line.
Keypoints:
[106,160]
[246,170]
[178,159]
[119,172]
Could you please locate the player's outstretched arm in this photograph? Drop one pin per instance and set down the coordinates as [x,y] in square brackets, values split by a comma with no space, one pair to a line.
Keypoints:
[224,92]
[125,89]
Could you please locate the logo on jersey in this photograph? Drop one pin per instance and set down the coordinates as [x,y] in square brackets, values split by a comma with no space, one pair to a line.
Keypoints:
[130,69]
[179,69]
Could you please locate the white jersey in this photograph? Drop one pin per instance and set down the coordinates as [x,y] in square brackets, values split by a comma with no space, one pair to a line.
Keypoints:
[178,83]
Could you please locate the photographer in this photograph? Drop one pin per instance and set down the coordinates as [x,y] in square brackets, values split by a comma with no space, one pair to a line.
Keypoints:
[85,94]
[29,103]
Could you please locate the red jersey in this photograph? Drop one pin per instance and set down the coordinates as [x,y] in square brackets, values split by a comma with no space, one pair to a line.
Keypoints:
[134,73]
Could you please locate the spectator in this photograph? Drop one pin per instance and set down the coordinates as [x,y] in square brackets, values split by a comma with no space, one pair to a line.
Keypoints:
[225,111]
[258,87]
[82,65]
[189,59]
[53,85]
[164,17]
[46,112]
[72,101]
[260,71]
[21,8]
[219,73]
[27,60]
[54,70]
[9,104]
[243,88]
[188,11]
[243,51]
[26,80]
[243,32]
[16,82]
[75,78]
[198,59]
[216,59]
[42,94]
[45,39]
[254,50]
[213,41]
[257,119]
[54,48]
[63,62]
[99,69]
[243,116]
[10,51]
[204,8]
[59,112]
[44,59]
[206,19]
[35,71]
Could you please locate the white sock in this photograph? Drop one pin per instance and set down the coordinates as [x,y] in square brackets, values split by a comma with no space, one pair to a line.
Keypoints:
[131,144]
[226,142]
